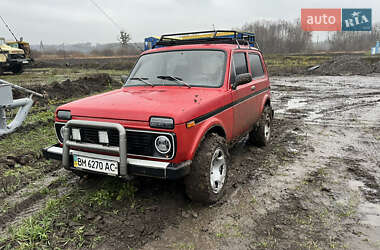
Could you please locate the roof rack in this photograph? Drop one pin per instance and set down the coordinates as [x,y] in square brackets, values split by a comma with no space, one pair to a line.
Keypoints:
[210,37]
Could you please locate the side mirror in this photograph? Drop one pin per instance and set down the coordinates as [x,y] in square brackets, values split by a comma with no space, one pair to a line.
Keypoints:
[124,78]
[243,79]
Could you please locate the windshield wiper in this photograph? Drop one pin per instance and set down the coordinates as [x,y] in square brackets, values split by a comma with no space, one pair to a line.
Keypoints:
[174,78]
[143,79]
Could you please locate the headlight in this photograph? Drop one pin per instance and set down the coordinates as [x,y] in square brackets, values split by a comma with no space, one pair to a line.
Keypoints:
[161,122]
[75,134]
[64,115]
[162,144]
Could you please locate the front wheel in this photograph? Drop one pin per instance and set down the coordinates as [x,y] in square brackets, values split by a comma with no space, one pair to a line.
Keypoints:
[209,171]
[18,69]
[261,133]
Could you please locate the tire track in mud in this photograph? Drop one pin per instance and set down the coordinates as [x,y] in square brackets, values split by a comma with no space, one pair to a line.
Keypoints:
[309,203]
[29,200]
[352,119]
[24,194]
[251,167]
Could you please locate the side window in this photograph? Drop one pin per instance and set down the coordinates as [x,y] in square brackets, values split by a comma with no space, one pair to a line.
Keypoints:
[256,65]
[240,63]
[233,74]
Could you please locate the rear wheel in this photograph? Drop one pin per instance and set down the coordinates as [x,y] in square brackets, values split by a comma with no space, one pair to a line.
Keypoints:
[209,171]
[261,133]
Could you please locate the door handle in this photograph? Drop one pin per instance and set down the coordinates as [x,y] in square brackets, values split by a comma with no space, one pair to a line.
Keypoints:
[253,87]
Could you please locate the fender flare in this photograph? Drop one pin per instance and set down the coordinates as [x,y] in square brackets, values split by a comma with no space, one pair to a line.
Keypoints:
[266,99]
[206,128]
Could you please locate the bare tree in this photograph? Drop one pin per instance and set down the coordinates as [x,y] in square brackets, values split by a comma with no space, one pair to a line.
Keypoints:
[280,36]
[354,40]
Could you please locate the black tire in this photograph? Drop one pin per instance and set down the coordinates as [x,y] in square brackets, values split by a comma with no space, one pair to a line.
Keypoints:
[261,133]
[18,69]
[198,185]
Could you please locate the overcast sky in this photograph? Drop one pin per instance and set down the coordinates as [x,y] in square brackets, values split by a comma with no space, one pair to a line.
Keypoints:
[72,21]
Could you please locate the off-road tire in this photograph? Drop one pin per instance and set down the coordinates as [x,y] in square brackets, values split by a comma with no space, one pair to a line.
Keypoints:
[260,135]
[18,69]
[198,183]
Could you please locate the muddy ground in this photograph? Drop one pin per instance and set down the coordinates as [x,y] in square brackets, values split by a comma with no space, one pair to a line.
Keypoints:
[114,63]
[315,187]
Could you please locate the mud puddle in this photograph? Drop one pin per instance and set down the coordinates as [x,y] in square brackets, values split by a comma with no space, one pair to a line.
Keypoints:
[319,100]
[31,199]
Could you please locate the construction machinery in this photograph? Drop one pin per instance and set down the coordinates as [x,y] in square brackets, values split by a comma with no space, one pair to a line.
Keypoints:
[7,103]
[11,59]
[20,44]
[14,55]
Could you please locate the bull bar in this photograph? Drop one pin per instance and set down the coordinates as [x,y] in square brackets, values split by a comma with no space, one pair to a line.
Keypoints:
[121,150]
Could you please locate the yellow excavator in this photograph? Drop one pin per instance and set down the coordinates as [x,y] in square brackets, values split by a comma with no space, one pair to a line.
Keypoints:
[11,59]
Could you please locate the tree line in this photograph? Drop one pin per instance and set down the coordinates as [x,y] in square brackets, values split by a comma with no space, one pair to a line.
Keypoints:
[287,37]
[354,40]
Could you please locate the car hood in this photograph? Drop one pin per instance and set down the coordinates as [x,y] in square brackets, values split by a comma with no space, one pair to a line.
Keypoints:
[140,103]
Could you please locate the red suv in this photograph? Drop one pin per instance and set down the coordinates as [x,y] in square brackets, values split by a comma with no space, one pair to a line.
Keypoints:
[181,107]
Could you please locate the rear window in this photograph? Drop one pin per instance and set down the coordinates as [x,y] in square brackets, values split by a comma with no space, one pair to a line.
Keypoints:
[256,65]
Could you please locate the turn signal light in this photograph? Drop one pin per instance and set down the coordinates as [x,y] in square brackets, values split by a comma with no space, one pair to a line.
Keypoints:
[190,124]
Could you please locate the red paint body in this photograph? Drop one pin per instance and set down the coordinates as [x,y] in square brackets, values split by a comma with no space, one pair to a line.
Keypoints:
[133,106]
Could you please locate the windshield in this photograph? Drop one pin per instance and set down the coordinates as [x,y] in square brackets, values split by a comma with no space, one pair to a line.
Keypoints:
[13,45]
[203,68]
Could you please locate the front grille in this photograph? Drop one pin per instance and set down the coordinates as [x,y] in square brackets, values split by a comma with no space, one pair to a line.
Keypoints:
[16,56]
[138,143]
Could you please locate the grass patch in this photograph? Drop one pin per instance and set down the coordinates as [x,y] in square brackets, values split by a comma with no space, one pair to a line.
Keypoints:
[63,221]
[284,61]
[112,190]
[48,75]
[30,141]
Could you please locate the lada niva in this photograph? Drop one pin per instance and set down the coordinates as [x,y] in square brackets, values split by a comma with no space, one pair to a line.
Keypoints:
[182,106]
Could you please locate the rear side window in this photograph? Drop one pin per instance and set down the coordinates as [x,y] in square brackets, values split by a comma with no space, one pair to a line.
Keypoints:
[240,63]
[256,65]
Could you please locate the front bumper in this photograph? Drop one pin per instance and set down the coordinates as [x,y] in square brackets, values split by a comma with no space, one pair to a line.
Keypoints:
[156,169]
[18,61]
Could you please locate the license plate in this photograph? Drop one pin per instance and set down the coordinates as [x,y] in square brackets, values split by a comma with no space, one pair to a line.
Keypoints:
[25,62]
[97,165]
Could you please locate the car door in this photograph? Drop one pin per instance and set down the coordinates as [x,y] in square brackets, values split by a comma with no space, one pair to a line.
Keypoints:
[244,104]
[260,82]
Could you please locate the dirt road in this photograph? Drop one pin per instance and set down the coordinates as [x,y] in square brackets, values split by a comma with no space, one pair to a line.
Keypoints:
[324,194]
[315,187]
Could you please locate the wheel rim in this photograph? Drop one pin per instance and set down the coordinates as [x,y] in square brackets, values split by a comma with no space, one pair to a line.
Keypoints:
[267,127]
[218,170]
